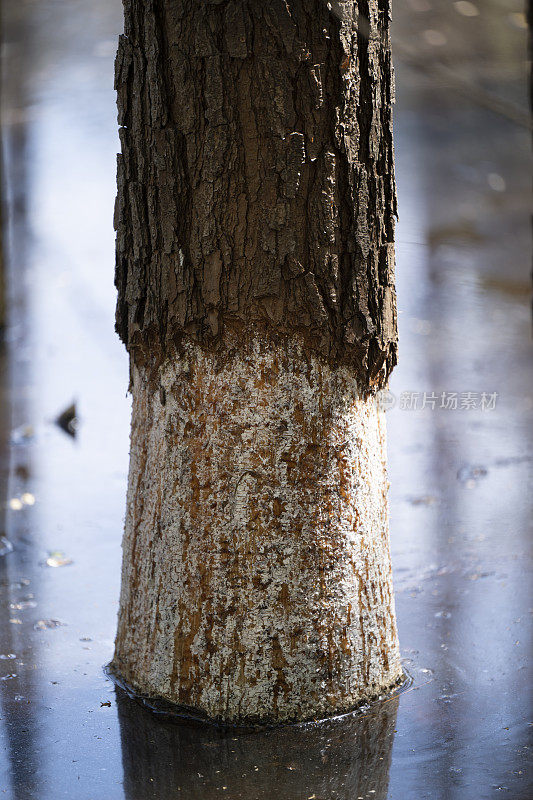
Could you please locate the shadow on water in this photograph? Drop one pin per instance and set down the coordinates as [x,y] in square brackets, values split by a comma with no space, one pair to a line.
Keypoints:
[340,759]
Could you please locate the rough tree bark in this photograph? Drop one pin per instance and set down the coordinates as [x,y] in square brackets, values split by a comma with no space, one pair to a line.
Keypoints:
[255,224]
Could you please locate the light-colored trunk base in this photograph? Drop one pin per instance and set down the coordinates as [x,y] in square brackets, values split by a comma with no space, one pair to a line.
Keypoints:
[256,579]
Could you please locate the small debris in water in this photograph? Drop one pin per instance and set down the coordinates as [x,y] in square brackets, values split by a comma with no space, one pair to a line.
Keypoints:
[85,639]
[23,434]
[5,546]
[23,605]
[68,421]
[58,559]
[5,656]
[424,500]
[475,576]
[470,474]
[8,677]
[15,621]
[44,624]
[105,703]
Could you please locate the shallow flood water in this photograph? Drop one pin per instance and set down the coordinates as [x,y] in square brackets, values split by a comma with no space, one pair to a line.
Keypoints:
[460,477]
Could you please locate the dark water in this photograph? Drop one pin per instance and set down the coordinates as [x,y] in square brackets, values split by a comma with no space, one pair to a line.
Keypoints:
[460,478]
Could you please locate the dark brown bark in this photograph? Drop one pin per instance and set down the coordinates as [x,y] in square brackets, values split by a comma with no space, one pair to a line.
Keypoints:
[256,186]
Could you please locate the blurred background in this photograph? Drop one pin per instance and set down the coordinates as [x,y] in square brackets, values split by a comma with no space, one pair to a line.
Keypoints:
[460,471]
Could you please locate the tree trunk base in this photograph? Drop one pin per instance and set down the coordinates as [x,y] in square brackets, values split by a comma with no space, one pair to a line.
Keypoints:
[256,582]
[167,711]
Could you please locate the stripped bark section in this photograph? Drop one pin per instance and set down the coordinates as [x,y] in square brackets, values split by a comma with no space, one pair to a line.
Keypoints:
[256,575]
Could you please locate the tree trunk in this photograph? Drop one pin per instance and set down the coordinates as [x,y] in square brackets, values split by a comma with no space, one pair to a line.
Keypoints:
[255,222]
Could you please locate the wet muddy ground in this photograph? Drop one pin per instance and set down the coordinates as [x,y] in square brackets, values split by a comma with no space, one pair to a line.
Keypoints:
[460,476]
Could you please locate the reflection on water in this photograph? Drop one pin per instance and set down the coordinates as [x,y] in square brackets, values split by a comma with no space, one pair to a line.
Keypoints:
[460,512]
[346,758]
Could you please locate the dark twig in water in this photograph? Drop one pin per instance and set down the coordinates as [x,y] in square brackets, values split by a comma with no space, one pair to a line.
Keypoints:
[68,420]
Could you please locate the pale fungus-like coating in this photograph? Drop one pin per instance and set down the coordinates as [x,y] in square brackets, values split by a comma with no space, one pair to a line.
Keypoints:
[256,576]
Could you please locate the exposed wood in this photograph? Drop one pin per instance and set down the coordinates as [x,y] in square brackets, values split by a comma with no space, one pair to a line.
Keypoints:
[257,580]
